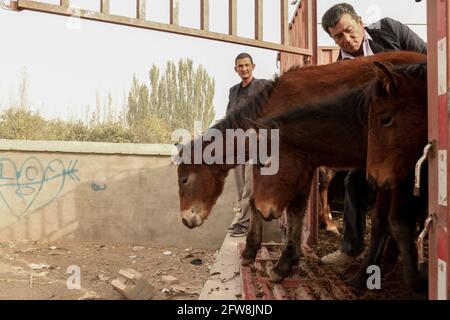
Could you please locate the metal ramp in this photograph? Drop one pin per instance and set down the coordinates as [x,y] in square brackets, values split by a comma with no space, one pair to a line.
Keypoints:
[308,281]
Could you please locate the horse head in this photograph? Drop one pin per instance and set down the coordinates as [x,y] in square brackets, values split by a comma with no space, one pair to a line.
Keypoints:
[397,122]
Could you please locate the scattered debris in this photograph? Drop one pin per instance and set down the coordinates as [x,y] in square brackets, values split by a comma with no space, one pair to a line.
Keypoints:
[189,255]
[138,248]
[186,290]
[132,257]
[39,266]
[90,295]
[52,248]
[188,249]
[167,253]
[229,278]
[103,278]
[170,279]
[165,290]
[132,286]
[197,261]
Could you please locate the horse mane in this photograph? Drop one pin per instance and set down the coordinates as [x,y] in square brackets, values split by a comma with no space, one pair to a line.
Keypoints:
[347,101]
[413,70]
[416,70]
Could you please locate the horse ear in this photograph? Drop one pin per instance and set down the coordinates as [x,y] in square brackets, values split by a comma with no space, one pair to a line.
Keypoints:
[386,76]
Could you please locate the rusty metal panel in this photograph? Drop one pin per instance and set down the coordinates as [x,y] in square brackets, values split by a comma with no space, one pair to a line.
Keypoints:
[327,54]
[438,129]
[301,30]
[308,281]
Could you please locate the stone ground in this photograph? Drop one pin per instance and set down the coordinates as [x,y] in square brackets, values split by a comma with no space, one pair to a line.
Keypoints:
[39,271]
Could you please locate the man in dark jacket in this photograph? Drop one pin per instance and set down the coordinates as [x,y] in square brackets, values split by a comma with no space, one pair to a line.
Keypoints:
[249,86]
[347,30]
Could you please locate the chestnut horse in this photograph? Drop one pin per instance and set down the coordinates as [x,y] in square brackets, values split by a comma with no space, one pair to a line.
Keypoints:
[340,125]
[201,184]
[398,132]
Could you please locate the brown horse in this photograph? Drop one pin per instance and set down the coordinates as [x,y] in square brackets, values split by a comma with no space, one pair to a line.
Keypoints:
[398,127]
[398,131]
[301,130]
[201,184]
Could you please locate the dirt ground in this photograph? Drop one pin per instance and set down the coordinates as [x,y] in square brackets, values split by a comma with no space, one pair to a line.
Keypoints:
[39,271]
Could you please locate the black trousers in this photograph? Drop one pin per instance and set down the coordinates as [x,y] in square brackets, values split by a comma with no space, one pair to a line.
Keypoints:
[358,200]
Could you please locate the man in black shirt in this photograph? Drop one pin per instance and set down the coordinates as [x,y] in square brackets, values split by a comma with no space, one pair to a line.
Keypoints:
[248,87]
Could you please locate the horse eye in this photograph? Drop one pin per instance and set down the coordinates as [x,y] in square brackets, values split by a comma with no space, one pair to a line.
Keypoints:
[184,180]
[386,121]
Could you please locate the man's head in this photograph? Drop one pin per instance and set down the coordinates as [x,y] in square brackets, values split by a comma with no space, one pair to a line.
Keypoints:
[243,65]
[345,27]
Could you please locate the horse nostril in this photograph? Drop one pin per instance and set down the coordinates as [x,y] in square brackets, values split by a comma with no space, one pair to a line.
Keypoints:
[371,182]
[185,222]
[184,180]
[271,214]
[387,184]
[259,212]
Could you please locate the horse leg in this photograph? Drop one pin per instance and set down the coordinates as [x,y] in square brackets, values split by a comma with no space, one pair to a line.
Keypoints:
[402,226]
[378,237]
[391,252]
[325,217]
[254,237]
[290,254]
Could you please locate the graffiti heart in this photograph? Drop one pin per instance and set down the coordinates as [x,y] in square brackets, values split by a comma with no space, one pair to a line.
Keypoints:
[32,185]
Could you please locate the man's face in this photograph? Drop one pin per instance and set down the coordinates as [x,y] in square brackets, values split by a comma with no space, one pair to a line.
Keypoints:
[348,34]
[244,68]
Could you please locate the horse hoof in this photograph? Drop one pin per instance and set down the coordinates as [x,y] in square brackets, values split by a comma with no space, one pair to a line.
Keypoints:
[275,277]
[332,229]
[246,262]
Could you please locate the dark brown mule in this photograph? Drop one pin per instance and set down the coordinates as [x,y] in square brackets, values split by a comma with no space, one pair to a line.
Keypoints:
[201,184]
[398,131]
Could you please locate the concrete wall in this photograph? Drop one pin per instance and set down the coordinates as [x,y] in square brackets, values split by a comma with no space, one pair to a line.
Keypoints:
[124,193]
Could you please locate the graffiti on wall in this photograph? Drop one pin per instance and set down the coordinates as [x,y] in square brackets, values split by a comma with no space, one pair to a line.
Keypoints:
[32,185]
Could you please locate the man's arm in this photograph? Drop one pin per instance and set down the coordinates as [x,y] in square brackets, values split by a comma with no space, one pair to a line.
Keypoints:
[230,98]
[408,39]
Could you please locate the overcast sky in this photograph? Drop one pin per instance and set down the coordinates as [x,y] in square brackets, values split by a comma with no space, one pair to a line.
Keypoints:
[69,60]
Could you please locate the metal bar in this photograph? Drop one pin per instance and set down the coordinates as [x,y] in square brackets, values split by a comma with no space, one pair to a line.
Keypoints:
[248,288]
[284,10]
[140,9]
[126,21]
[174,12]
[313,26]
[204,15]
[104,6]
[259,23]
[232,17]
[64,3]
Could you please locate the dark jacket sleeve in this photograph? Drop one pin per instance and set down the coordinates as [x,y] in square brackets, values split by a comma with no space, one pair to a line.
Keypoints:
[229,102]
[231,97]
[408,39]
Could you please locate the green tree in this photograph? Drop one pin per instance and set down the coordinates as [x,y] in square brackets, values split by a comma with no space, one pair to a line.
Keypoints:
[179,96]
